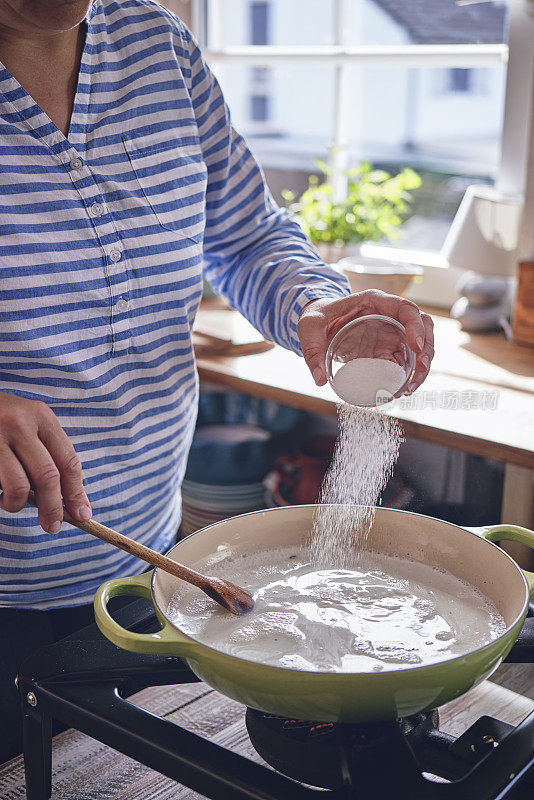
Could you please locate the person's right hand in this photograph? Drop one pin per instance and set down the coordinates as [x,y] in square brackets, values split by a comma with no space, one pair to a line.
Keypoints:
[36,453]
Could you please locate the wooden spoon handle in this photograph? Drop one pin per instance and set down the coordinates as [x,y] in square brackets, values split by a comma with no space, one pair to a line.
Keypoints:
[131,546]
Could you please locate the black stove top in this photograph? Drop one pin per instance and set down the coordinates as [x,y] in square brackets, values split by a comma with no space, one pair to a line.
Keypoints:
[84,680]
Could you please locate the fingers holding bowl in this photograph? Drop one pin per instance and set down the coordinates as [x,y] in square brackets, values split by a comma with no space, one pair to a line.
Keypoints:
[425,356]
[322,319]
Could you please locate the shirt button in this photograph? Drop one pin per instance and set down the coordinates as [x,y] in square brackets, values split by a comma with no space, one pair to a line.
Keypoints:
[115,255]
[121,304]
[96,210]
[76,163]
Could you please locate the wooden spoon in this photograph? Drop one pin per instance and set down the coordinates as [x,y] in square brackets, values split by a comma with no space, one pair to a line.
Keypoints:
[227,594]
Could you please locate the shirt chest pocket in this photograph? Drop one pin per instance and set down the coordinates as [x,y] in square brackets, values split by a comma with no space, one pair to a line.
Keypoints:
[171,178]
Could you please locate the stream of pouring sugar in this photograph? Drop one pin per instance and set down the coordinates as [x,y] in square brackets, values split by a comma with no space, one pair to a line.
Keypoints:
[363,460]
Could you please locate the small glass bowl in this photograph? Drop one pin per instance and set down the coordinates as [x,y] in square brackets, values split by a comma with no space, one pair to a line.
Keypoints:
[371,337]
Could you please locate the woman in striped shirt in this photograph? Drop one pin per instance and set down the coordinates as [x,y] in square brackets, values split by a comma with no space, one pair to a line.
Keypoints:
[122,183]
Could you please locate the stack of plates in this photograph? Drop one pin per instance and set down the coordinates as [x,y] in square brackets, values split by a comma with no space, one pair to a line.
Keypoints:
[204,504]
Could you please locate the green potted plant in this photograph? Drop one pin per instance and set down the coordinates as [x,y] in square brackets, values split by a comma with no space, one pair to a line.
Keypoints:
[372,208]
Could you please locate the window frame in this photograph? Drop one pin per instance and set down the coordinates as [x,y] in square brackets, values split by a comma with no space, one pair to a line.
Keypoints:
[517,55]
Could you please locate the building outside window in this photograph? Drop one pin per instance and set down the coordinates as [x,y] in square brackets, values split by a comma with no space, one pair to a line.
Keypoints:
[460,80]
[259,22]
[259,77]
[259,108]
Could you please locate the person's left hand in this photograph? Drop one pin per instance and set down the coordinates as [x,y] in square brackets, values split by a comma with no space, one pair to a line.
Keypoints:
[321,319]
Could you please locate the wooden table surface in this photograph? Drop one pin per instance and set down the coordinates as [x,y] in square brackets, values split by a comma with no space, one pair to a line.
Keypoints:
[84,769]
[479,396]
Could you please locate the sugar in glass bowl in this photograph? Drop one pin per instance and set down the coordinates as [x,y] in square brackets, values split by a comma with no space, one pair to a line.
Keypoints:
[369,361]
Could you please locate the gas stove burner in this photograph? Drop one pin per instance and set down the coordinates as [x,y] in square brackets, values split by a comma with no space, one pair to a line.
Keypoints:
[318,753]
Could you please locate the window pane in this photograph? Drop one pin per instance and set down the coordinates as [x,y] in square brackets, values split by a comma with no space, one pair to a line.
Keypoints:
[285,111]
[387,22]
[444,123]
[424,22]
[280,22]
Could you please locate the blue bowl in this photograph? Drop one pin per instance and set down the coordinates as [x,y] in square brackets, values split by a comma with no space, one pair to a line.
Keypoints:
[229,455]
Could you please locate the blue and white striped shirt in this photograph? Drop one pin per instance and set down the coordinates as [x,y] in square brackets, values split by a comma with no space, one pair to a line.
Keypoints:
[104,236]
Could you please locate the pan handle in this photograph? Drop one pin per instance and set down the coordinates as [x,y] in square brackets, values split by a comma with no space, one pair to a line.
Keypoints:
[167,641]
[513,533]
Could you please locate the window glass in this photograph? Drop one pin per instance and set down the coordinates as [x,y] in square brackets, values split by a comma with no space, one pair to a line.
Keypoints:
[443,122]
[381,22]
[444,126]
[390,22]
[297,102]
[278,22]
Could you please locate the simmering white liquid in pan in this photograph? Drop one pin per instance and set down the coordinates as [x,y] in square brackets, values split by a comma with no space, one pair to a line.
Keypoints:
[393,613]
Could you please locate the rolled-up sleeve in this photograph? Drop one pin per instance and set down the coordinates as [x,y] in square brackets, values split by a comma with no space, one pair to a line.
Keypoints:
[256,255]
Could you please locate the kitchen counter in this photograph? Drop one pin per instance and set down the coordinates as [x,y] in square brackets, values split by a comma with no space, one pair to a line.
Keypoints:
[84,769]
[478,398]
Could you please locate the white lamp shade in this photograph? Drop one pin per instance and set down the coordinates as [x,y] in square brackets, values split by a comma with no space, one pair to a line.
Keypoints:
[484,234]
